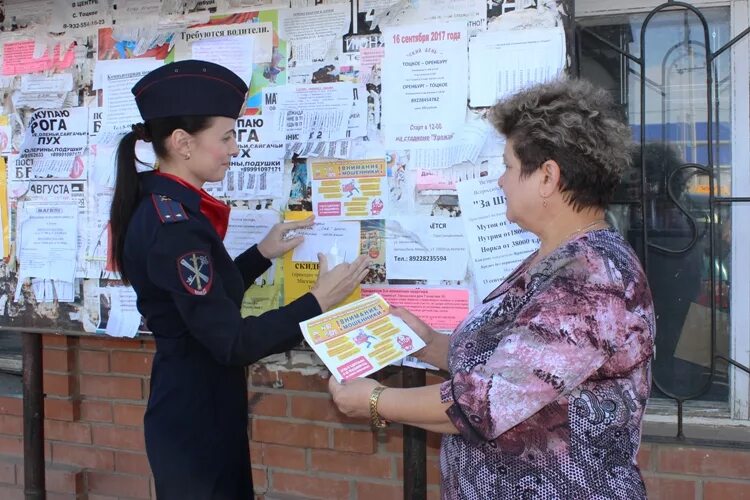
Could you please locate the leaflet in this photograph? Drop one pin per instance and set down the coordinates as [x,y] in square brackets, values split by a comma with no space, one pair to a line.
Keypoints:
[425,248]
[120,110]
[360,338]
[350,189]
[497,245]
[424,85]
[55,142]
[505,61]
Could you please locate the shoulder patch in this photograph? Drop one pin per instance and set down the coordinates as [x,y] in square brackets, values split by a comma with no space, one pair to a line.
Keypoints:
[168,210]
[196,272]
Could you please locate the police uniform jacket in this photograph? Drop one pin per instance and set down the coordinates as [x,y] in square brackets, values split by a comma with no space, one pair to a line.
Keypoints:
[190,291]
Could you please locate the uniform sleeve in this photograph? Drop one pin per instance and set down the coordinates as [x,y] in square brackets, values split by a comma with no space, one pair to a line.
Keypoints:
[180,263]
[251,265]
[560,339]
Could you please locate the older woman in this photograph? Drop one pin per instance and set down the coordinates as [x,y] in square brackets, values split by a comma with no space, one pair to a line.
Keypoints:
[549,376]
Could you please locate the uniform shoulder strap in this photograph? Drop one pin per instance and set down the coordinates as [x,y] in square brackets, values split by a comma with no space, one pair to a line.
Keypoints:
[168,210]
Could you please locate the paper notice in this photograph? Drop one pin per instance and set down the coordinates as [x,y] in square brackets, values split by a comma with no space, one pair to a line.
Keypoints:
[19,57]
[260,35]
[124,318]
[120,110]
[338,240]
[360,338]
[310,112]
[424,85]
[230,52]
[55,142]
[312,31]
[425,248]
[441,308]
[247,228]
[47,240]
[54,84]
[497,246]
[350,189]
[79,17]
[505,61]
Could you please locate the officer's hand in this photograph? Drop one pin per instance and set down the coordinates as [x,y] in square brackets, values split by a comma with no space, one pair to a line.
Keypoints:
[335,285]
[275,244]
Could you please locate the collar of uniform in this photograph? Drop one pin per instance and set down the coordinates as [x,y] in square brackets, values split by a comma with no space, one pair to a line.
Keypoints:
[152,182]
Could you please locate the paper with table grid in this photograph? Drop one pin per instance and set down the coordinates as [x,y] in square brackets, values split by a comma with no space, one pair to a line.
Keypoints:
[360,338]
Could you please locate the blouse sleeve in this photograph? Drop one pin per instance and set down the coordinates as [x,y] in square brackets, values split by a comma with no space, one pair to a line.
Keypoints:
[557,341]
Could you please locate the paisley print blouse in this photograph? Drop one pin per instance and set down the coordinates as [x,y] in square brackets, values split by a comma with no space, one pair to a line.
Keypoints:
[550,377]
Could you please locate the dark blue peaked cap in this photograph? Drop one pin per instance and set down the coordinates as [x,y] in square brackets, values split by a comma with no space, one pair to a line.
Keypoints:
[190,87]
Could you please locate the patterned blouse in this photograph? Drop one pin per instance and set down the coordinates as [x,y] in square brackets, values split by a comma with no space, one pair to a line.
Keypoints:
[550,377]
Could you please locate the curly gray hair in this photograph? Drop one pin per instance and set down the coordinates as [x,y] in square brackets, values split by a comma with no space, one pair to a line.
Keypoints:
[577,125]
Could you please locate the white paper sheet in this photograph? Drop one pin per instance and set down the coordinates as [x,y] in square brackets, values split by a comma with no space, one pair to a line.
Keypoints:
[497,246]
[261,35]
[424,85]
[338,240]
[47,240]
[120,110]
[57,83]
[503,62]
[310,112]
[124,318]
[79,17]
[466,146]
[425,248]
[247,228]
[313,31]
[231,52]
[55,142]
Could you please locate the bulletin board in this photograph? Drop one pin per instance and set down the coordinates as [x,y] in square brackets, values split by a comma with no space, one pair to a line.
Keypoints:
[368,113]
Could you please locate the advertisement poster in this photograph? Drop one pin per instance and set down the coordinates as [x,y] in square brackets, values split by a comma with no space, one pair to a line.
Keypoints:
[350,189]
[424,84]
[360,338]
[497,246]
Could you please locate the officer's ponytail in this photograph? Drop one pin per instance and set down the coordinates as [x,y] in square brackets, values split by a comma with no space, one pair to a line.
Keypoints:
[127,185]
[126,197]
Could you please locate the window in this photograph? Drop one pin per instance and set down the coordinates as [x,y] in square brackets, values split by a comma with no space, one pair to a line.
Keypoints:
[685,246]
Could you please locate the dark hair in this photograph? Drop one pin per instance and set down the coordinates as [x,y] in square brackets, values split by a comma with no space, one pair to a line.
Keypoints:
[577,125]
[127,185]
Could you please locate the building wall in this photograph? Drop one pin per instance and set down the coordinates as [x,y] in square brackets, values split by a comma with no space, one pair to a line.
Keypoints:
[301,446]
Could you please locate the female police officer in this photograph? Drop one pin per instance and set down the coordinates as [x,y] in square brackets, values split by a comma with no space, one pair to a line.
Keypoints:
[167,242]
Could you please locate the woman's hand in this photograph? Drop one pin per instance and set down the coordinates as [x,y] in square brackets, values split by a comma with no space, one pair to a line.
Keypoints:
[275,245]
[425,331]
[352,398]
[335,285]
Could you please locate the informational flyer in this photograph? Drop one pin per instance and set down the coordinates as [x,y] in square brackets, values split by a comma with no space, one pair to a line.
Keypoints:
[443,308]
[259,34]
[258,171]
[120,110]
[56,141]
[313,31]
[47,240]
[497,246]
[79,17]
[310,112]
[505,61]
[350,189]
[360,338]
[425,248]
[424,84]
[20,57]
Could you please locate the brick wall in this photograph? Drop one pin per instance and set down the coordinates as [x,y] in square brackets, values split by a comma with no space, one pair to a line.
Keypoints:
[301,446]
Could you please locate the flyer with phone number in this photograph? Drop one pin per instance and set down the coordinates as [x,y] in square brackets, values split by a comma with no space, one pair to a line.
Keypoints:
[360,338]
